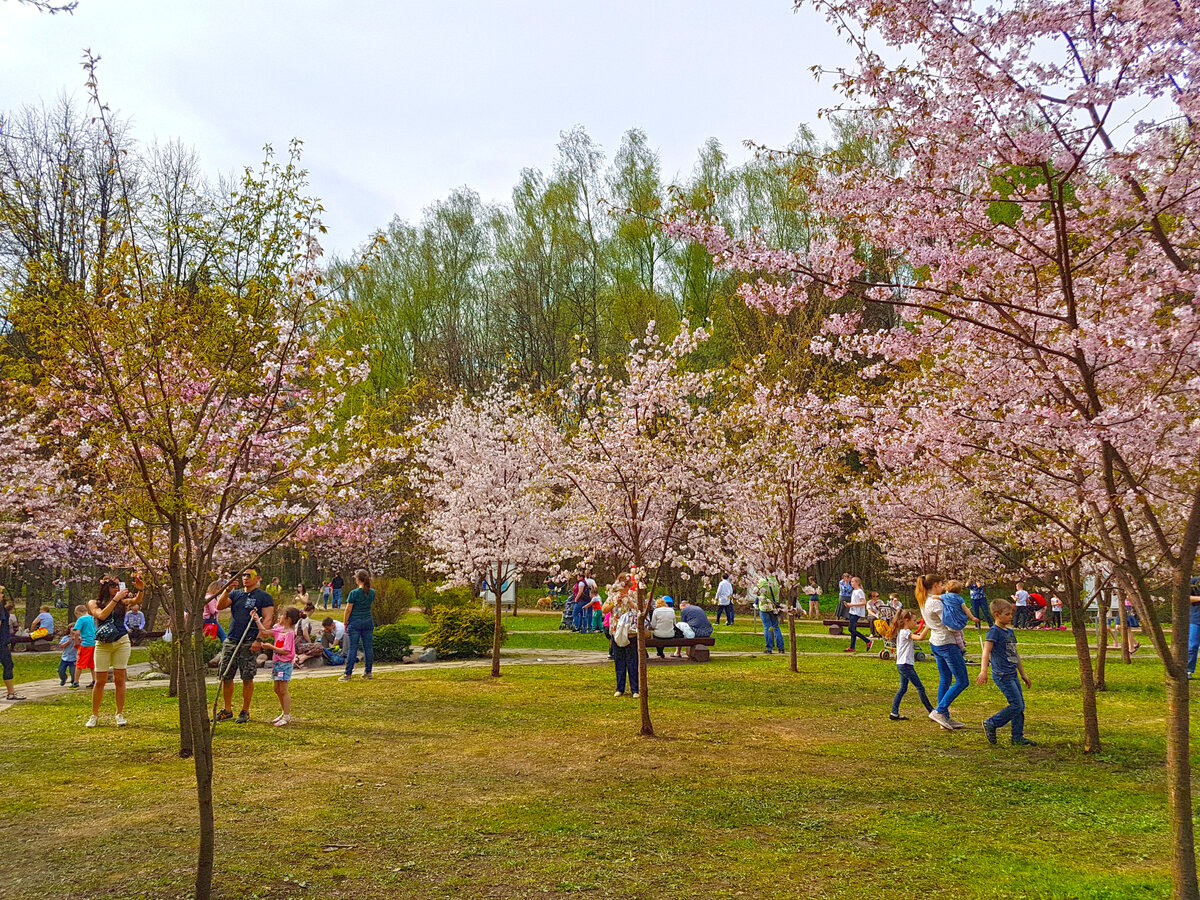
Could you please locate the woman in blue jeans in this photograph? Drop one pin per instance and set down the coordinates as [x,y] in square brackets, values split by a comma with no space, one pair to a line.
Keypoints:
[951,664]
[360,625]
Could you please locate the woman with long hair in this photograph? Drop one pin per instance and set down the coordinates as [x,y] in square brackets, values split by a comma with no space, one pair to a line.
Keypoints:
[951,663]
[360,625]
[112,641]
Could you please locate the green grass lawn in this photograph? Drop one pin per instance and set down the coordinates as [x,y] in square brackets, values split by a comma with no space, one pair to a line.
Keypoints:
[447,783]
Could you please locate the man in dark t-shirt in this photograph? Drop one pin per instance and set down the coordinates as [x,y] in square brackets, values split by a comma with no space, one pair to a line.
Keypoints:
[336,586]
[240,648]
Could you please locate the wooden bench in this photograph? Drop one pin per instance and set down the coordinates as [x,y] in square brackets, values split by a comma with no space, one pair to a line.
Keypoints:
[697,647]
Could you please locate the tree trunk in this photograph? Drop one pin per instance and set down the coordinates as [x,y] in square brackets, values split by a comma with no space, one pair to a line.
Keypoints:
[193,698]
[643,685]
[1091,720]
[496,588]
[792,636]
[1126,656]
[1101,642]
[1179,789]
[173,684]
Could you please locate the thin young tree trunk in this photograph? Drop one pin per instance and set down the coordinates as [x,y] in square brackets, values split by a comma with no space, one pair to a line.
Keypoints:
[792,637]
[1126,656]
[497,589]
[1101,643]
[1179,793]
[194,689]
[1084,654]
[643,669]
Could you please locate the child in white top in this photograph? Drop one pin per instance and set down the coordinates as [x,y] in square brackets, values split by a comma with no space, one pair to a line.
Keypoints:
[906,657]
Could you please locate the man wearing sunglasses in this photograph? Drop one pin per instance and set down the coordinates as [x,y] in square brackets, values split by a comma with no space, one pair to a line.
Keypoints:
[241,647]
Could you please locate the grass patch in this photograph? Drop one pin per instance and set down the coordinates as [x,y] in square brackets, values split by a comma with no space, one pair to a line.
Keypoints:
[447,783]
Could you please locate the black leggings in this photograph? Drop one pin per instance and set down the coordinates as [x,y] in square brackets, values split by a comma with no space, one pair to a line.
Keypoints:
[6,660]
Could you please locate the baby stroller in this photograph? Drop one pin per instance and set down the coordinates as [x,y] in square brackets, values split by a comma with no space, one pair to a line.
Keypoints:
[565,624]
[883,627]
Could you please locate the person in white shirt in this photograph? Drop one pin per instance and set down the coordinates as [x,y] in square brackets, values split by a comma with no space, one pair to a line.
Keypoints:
[1021,602]
[725,601]
[906,657]
[856,609]
[951,663]
[662,622]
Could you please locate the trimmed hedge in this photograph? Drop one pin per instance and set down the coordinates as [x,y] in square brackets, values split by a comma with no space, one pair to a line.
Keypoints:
[456,632]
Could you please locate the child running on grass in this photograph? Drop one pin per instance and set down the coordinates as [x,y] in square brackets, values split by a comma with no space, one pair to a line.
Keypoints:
[906,657]
[1000,651]
[284,659]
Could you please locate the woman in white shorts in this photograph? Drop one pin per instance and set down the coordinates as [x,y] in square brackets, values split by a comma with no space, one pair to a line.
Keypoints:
[112,641]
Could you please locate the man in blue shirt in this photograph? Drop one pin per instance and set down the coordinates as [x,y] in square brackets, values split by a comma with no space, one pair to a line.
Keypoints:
[979,604]
[238,653]
[696,617]
[845,592]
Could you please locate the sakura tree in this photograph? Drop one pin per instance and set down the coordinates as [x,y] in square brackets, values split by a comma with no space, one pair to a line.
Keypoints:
[195,397]
[785,495]
[1040,209]
[642,466]
[490,511]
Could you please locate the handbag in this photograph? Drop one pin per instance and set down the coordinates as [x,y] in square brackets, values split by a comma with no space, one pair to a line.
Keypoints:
[686,630]
[109,631]
[621,633]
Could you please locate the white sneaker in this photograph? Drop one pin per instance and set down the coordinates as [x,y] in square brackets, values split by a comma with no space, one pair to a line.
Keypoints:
[942,719]
[277,718]
[955,724]
[344,678]
[121,720]
[635,695]
[618,693]
[92,722]
[283,720]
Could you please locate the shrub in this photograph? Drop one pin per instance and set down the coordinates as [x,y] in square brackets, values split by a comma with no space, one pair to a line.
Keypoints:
[457,597]
[160,653]
[392,643]
[456,632]
[393,598]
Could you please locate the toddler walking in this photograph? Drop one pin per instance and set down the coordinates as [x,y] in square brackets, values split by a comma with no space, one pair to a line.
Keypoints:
[67,662]
[906,657]
[1000,651]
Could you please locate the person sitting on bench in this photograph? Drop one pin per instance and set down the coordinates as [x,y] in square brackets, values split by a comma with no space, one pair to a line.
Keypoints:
[662,621]
[695,616]
[43,625]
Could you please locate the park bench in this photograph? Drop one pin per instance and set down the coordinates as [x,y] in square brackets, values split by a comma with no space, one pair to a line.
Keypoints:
[697,647]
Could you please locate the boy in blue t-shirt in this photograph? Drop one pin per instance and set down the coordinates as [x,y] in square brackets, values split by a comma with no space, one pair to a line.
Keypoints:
[1000,651]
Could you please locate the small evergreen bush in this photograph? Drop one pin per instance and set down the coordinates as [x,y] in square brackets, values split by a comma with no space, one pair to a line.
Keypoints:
[456,632]
[393,598]
[392,642]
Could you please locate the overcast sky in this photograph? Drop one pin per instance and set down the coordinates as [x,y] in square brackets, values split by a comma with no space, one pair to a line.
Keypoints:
[400,102]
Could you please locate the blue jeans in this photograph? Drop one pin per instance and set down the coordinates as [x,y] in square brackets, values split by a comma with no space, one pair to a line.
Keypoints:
[1010,687]
[951,666]
[981,611]
[1193,646]
[771,630]
[64,666]
[333,659]
[908,675]
[363,631]
[626,659]
[854,633]
[337,597]
[728,611]
[577,617]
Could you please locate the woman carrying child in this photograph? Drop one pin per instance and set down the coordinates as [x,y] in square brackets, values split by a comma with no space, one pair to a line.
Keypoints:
[906,656]
[951,663]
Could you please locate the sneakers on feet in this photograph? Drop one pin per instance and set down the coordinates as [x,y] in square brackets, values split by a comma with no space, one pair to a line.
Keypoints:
[224,716]
[344,678]
[1024,742]
[283,720]
[618,693]
[121,720]
[635,695]
[243,717]
[990,731]
[366,676]
[896,718]
[92,722]
[942,719]
[14,697]
[955,724]
[848,650]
